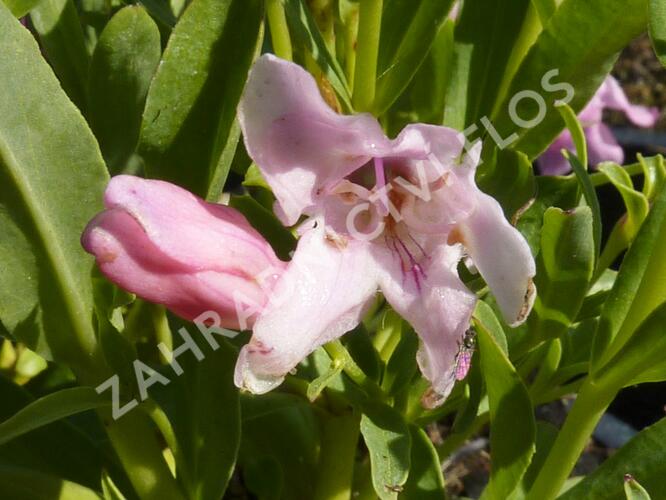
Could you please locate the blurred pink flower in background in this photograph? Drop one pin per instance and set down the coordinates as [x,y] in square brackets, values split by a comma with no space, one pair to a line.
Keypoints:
[601,144]
[169,247]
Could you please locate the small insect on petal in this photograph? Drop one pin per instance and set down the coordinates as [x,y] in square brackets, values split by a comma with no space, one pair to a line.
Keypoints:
[464,355]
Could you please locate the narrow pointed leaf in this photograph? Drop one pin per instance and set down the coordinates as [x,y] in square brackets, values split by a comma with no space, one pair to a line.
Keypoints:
[48,409]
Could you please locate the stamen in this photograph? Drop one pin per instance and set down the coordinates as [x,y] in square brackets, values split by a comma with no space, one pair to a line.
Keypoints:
[380,186]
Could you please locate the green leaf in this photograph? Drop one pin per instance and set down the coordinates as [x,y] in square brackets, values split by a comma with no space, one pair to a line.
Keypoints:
[321,382]
[23,484]
[425,479]
[633,490]
[639,288]
[643,457]
[546,434]
[279,446]
[20,8]
[485,315]
[564,270]
[642,354]
[50,409]
[387,436]
[657,29]
[424,99]
[123,64]
[591,199]
[510,409]
[203,408]
[51,181]
[160,10]
[627,227]
[551,191]
[485,35]
[61,36]
[109,489]
[306,33]
[190,111]
[282,241]
[545,9]
[407,33]
[576,129]
[509,178]
[581,41]
[401,367]
[654,172]
[58,448]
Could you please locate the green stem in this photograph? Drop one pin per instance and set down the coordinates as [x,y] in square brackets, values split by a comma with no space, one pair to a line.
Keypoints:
[350,34]
[339,440]
[365,76]
[337,352]
[279,29]
[590,405]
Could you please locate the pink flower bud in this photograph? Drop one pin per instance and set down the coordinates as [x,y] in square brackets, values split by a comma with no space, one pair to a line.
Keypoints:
[170,247]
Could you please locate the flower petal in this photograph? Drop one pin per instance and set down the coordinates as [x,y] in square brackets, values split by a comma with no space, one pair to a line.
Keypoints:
[613,97]
[552,162]
[300,144]
[199,235]
[602,145]
[130,259]
[321,296]
[439,308]
[501,255]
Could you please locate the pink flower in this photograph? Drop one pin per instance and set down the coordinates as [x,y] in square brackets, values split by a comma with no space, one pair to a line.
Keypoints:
[394,215]
[170,247]
[601,144]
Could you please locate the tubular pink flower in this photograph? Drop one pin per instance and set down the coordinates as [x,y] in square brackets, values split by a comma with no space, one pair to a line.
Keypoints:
[390,215]
[169,247]
[601,144]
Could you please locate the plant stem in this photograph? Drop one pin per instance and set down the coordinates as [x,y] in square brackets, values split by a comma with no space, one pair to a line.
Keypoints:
[279,29]
[339,439]
[590,405]
[365,75]
[337,352]
[350,35]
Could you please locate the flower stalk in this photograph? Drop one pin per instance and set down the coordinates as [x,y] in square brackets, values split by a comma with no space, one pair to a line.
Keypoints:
[365,74]
[590,405]
[279,29]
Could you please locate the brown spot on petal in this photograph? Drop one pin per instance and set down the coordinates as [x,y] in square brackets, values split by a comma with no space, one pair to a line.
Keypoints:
[456,236]
[521,211]
[337,240]
[431,399]
[107,257]
[258,347]
[527,301]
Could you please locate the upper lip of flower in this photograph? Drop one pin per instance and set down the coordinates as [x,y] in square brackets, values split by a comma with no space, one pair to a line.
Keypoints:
[311,157]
